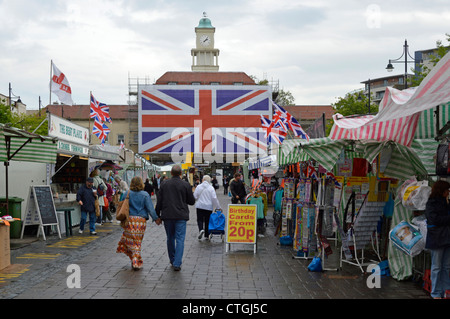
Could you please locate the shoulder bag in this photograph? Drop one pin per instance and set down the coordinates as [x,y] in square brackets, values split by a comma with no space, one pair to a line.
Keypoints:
[123,209]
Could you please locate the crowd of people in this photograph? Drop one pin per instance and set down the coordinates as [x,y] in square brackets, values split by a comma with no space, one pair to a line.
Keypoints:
[100,195]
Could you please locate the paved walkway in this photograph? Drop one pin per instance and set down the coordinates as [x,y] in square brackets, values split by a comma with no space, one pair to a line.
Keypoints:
[39,270]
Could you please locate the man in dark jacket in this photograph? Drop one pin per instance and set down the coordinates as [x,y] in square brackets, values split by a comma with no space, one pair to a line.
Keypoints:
[173,199]
[86,198]
[438,238]
[237,190]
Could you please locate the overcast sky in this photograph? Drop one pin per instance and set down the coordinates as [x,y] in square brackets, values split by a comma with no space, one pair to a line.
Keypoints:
[318,50]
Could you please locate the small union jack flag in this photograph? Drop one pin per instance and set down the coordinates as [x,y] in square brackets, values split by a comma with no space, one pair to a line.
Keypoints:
[281,115]
[99,110]
[100,130]
[274,134]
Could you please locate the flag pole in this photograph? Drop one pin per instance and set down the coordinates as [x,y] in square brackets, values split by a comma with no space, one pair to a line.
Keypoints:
[51,80]
[90,97]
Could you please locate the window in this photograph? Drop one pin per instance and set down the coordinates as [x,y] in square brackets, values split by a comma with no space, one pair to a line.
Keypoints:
[400,80]
[215,83]
[196,83]
[120,138]
[238,83]
[172,83]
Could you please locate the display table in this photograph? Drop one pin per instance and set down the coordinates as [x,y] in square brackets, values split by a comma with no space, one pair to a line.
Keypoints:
[67,218]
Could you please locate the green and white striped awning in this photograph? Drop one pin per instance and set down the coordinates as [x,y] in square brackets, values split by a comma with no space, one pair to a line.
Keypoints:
[323,150]
[420,155]
[25,146]
[426,127]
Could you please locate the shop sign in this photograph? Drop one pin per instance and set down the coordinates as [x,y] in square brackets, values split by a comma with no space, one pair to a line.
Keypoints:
[72,148]
[72,138]
[68,131]
[99,154]
[266,161]
[241,225]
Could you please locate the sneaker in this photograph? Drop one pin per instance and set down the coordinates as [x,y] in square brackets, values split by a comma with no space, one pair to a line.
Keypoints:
[200,235]
[80,231]
[93,233]
[176,268]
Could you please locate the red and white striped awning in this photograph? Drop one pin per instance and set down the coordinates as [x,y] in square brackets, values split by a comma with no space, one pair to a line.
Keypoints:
[399,111]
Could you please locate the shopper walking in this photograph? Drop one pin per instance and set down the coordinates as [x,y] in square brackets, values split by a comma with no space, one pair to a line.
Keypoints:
[86,199]
[108,208]
[237,189]
[225,185]
[173,199]
[101,188]
[148,187]
[438,238]
[206,201]
[141,207]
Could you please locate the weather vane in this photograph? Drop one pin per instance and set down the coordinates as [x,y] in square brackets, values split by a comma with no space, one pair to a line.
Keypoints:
[204,14]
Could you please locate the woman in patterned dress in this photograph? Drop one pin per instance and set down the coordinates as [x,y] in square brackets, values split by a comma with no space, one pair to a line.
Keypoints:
[141,207]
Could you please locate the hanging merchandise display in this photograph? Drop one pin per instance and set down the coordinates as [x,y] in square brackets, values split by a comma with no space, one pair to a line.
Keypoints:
[415,194]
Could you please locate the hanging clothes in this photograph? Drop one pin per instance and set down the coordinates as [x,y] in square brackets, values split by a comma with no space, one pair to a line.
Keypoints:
[277,198]
[258,201]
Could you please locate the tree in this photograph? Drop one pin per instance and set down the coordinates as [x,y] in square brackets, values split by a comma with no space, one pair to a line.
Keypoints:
[284,98]
[22,121]
[441,50]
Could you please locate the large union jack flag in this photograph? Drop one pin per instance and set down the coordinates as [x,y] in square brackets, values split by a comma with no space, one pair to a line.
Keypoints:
[205,119]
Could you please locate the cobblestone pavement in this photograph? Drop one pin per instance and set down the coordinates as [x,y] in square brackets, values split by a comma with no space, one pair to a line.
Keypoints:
[39,270]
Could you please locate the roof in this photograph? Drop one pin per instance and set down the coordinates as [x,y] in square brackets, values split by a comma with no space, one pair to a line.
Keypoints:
[83,111]
[310,112]
[205,78]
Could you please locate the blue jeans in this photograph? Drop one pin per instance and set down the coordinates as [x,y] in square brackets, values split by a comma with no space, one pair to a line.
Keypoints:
[92,219]
[440,271]
[176,233]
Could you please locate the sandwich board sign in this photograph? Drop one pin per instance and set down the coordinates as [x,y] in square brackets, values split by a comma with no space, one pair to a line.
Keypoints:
[40,209]
[241,225]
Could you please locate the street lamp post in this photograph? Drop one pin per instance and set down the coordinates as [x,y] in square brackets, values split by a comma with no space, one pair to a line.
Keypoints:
[405,53]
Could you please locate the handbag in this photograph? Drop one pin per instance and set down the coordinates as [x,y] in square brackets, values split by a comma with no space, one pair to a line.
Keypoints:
[97,208]
[106,205]
[123,209]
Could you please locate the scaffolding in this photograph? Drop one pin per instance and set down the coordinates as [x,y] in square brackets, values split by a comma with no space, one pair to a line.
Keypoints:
[133,89]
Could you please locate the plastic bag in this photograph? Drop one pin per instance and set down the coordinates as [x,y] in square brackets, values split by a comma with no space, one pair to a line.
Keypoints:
[286,241]
[315,265]
[407,238]
[415,194]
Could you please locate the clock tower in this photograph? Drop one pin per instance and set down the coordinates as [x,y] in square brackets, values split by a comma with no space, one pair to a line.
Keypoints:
[204,57]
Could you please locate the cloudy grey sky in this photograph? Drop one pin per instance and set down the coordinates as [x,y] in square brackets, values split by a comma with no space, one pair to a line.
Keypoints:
[318,50]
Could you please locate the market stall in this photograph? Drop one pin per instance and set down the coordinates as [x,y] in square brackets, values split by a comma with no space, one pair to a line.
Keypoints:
[71,168]
[22,146]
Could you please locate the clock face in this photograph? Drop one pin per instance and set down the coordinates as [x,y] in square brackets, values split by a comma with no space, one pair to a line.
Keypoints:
[205,40]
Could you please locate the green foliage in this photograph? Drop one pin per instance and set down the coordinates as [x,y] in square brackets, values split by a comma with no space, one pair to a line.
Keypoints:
[441,50]
[354,103]
[22,121]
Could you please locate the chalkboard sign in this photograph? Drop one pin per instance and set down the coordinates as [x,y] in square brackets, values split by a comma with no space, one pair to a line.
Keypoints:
[40,209]
[44,199]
